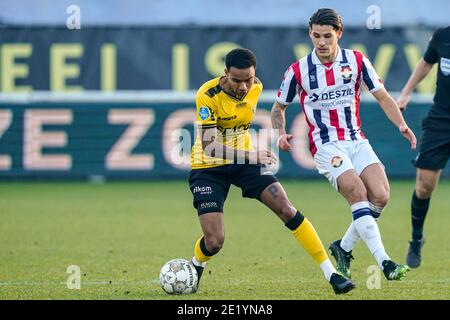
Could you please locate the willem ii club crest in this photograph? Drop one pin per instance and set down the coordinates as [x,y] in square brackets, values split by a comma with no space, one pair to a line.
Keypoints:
[336,161]
[346,72]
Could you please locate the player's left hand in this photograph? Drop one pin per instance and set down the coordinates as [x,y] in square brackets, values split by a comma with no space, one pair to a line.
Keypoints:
[409,135]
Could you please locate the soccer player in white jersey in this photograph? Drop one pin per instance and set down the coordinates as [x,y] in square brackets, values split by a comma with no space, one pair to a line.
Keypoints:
[328,82]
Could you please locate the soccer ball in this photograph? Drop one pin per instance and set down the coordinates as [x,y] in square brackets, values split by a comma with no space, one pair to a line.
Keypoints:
[178,276]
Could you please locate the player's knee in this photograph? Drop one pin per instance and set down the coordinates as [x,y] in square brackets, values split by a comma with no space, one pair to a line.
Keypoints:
[424,191]
[214,243]
[381,198]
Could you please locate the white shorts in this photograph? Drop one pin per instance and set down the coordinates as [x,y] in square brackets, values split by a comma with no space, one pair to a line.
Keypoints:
[334,158]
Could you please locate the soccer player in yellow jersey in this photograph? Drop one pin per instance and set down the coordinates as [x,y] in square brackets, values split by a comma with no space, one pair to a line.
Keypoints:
[223,155]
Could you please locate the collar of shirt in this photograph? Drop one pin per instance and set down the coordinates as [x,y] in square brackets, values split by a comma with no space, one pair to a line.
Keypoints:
[316,60]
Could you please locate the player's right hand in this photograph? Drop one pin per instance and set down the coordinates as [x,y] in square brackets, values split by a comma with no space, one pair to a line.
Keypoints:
[409,135]
[403,101]
[283,142]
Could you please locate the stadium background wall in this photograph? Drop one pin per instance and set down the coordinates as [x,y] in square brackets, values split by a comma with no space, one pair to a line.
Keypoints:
[138,139]
[183,58]
[143,140]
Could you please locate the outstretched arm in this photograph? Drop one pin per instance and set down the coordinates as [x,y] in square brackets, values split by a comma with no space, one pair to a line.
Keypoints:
[421,71]
[279,123]
[392,111]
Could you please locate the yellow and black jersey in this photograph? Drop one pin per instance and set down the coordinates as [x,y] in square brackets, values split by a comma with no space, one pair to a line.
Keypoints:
[229,115]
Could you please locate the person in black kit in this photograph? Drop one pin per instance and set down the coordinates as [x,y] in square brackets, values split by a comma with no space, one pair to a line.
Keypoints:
[434,150]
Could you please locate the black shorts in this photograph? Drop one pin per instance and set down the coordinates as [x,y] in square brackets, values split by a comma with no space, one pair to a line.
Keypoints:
[434,149]
[210,186]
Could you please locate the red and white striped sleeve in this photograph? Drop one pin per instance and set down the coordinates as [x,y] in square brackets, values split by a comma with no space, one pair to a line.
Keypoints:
[290,85]
[370,76]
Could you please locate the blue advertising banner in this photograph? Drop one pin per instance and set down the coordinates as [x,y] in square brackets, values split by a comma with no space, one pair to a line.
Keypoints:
[152,140]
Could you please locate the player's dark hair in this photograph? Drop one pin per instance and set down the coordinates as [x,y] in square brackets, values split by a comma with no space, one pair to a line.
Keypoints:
[240,58]
[327,17]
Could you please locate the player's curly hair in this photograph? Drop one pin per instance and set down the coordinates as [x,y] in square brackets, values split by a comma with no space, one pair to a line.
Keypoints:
[327,16]
[240,58]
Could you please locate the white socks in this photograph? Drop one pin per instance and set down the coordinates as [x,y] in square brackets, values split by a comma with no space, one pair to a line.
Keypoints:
[375,210]
[367,229]
[327,269]
[351,236]
[198,263]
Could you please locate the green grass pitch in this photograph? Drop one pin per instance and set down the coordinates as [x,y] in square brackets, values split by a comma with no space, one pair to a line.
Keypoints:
[120,234]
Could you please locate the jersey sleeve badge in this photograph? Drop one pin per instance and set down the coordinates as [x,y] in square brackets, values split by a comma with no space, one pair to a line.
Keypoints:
[204,113]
